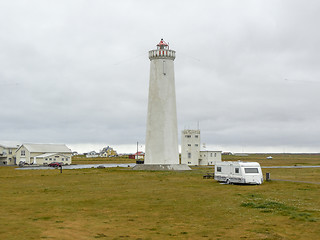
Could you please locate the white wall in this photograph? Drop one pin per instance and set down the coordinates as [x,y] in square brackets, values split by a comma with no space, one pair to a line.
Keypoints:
[162,130]
[190,147]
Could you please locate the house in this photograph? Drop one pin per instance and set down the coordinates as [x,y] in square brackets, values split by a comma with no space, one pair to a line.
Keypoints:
[7,154]
[43,154]
[191,153]
[108,152]
[139,154]
[92,154]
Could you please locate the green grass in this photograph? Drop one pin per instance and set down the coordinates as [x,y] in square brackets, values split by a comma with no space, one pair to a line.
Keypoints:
[266,205]
[81,159]
[121,203]
[278,159]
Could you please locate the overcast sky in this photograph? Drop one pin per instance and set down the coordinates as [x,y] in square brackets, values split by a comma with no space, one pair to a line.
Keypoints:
[77,72]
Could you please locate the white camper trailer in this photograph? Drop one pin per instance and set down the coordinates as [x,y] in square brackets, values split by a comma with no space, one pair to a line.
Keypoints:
[238,172]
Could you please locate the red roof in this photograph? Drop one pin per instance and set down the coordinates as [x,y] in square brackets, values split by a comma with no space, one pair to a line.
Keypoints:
[140,153]
[162,43]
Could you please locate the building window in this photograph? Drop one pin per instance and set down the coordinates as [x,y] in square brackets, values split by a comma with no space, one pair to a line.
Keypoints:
[50,159]
[189,155]
[251,170]
[188,136]
[189,145]
[56,156]
[196,136]
[46,159]
[189,162]
[62,159]
[218,169]
[10,151]
[210,154]
[67,159]
[196,145]
[23,152]
[215,154]
[236,170]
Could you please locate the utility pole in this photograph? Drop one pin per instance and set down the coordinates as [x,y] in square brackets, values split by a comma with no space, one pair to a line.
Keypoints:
[137,151]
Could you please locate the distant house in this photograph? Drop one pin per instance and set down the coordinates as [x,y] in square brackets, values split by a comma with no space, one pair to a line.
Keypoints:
[226,153]
[134,156]
[108,152]
[74,153]
[43,154]
[7,154]
[92,154]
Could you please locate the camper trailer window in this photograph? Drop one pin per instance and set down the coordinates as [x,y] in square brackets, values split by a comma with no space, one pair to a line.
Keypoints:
[236,170]
[251,170]
[218,169]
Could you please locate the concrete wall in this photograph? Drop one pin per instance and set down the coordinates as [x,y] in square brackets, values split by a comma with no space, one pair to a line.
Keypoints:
[162,130]
[209,157]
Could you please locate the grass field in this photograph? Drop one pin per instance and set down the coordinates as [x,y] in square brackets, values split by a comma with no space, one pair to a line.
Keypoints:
[125,204]
[80,159]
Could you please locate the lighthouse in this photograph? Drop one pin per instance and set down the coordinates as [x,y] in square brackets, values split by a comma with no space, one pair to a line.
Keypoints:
[162,152]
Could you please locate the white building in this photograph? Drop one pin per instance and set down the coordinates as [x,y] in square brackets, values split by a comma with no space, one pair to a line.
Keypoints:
[209,157]
[191,153]
[190,147]
[43,154]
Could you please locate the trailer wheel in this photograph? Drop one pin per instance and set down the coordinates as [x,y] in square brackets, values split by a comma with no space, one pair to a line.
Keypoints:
[228,181]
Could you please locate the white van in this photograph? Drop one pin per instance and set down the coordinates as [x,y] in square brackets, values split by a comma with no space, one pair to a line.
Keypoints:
[238,172]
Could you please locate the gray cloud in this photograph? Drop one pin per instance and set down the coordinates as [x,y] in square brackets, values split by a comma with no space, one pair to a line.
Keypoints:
[77,71]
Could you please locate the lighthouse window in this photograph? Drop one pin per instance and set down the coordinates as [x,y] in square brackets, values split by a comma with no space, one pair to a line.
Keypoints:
[164,67]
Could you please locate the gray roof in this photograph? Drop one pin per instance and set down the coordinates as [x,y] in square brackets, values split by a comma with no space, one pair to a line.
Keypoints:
[48,155]
[9,145]
[47,148]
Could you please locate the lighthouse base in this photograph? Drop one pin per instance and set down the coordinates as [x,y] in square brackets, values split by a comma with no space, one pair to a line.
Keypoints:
[162,167]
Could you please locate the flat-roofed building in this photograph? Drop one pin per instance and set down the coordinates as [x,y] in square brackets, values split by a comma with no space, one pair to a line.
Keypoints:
[208,157]
[191,153]
[190,147]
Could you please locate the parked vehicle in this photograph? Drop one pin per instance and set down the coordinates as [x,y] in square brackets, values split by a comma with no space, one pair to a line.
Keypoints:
[22,163]
[55,164]
[238,172]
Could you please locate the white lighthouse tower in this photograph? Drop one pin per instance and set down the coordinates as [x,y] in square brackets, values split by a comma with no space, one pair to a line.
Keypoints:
[162,152]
